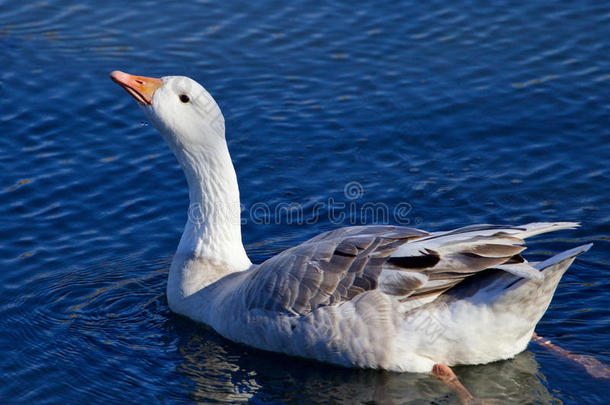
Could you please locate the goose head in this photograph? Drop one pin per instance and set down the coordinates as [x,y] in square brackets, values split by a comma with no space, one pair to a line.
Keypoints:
[183,111]
[191,123]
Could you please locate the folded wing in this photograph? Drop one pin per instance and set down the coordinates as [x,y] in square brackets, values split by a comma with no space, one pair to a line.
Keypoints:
[402,262]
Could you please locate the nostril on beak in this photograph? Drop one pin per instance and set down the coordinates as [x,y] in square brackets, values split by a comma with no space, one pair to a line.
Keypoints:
[139,81]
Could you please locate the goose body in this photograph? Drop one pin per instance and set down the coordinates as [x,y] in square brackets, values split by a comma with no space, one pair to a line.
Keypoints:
[387,297]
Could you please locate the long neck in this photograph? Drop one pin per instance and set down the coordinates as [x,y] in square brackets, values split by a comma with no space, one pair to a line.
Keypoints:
[211,244]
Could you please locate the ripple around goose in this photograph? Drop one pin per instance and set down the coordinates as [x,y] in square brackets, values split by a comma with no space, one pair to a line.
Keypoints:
[354,296]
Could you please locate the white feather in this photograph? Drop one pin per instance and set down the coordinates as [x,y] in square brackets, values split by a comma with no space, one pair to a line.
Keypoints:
[211,279]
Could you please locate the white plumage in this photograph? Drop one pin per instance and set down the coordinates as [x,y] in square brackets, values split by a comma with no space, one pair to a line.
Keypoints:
[386,297]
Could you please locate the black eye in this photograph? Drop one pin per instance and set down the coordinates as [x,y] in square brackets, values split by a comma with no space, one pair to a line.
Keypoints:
[184,98]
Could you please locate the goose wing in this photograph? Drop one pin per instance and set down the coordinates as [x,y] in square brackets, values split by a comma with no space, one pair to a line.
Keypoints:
[405,263]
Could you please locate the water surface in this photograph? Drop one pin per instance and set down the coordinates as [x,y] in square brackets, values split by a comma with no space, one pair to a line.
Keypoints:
[462,113]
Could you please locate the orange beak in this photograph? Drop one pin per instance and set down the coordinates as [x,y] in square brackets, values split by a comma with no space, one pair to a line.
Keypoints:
[140,87]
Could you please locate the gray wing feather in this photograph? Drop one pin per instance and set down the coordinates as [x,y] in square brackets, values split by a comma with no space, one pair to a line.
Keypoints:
[402,262]
[327,269]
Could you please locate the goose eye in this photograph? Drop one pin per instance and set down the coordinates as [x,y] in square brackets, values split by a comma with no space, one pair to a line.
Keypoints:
[184,98]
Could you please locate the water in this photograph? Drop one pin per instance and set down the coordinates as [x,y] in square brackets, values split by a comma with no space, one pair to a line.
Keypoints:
[463,113]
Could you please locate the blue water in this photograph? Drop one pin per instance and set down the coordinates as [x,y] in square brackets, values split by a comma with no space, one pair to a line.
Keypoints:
[464,113]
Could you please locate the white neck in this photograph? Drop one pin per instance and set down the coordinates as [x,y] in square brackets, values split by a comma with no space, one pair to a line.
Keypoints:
[211,245]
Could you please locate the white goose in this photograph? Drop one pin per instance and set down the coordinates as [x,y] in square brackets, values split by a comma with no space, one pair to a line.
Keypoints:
[387,297]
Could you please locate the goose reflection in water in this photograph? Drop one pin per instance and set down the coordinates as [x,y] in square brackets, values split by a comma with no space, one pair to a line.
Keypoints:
[231,373]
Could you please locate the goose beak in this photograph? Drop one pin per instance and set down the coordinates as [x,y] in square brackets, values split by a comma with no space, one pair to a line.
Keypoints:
[140,87]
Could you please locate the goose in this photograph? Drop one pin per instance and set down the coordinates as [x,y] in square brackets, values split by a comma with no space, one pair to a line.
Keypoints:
[375,296]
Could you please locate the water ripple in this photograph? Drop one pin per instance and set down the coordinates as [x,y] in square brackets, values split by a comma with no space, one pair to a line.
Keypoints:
[468,112]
